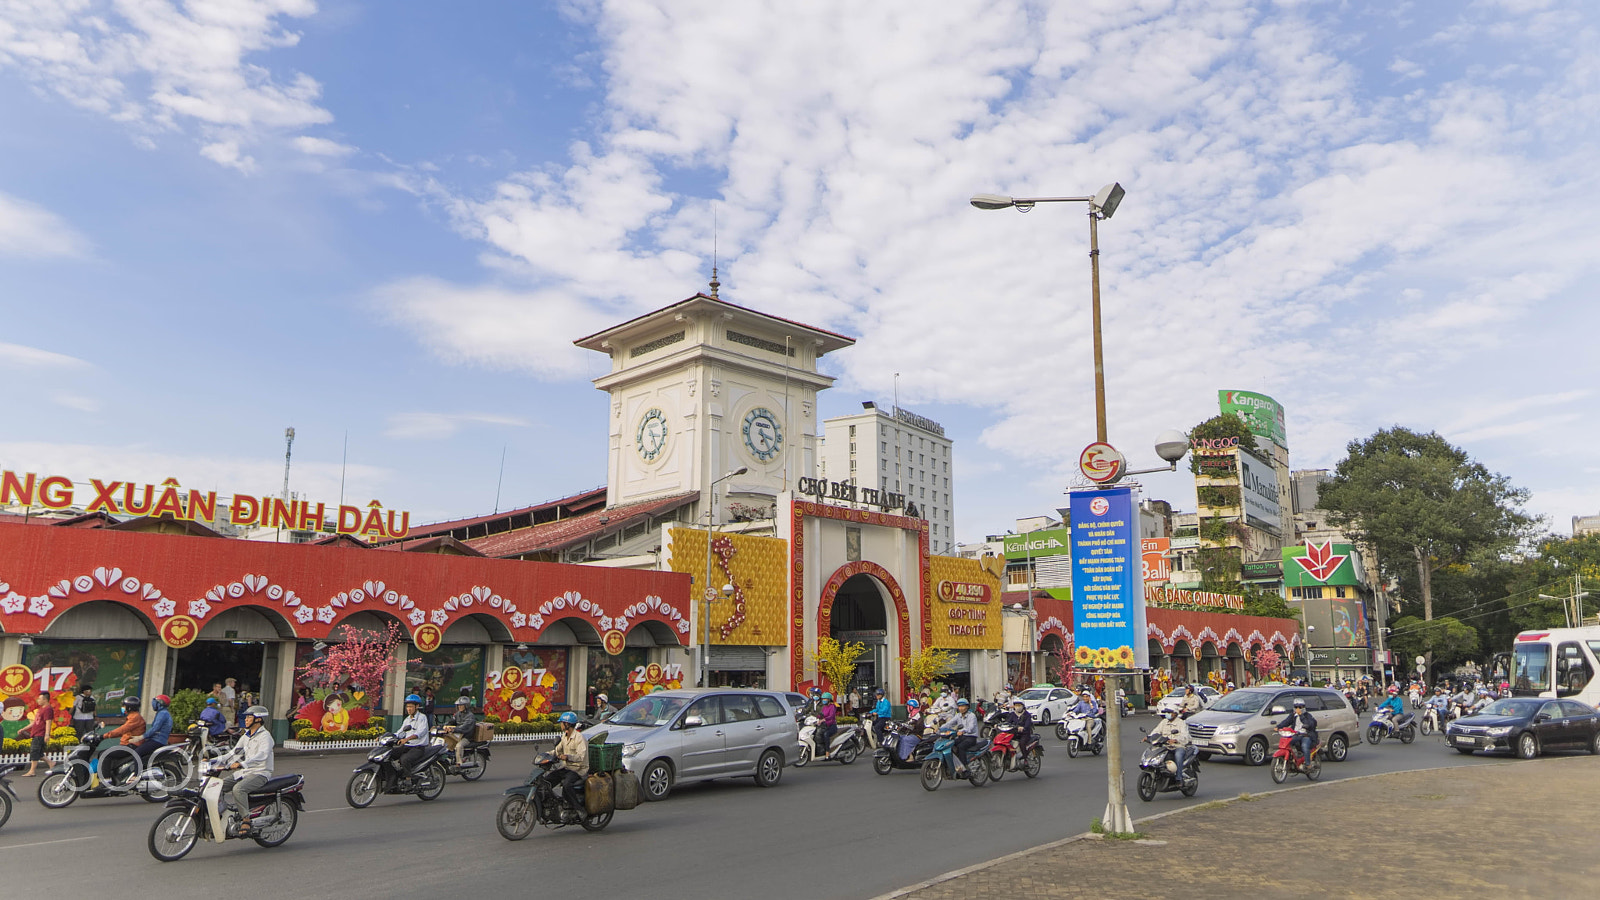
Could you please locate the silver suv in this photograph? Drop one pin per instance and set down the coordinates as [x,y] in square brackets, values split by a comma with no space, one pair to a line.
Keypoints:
[1242,723]
[682,736]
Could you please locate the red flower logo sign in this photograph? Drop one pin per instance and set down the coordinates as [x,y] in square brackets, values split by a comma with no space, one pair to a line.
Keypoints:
[1320,561]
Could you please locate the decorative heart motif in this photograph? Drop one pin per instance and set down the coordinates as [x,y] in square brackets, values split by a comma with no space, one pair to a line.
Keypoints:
[179,630]
[544,608]
[653,601]
[451,604]
[480,592]
[5,588]
[60,590]
[337,602]
[675,615]
[255,582]
[106,576]
[14,680]
[290,599]
[216,594]
[510,607]
[150,592]
[595,611]
[405,602]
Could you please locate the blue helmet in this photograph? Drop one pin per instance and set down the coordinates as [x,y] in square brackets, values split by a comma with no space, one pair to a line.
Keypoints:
[413,698]
[568,718]
[211,701]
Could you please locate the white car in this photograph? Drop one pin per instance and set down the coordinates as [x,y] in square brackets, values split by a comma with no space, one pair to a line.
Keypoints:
[1174,700]
[1047,704]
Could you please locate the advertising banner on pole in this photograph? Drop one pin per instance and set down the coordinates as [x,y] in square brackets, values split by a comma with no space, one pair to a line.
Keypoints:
[1108,620]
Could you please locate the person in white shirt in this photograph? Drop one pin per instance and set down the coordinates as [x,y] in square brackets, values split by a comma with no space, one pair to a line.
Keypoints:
[249,763]
[1176,731]
[413,734]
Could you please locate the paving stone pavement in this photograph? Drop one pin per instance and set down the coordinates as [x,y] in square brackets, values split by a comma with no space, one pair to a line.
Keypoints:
[1521,829]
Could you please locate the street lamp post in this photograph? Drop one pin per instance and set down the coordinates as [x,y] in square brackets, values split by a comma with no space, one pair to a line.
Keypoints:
[709,593]
[1116,820]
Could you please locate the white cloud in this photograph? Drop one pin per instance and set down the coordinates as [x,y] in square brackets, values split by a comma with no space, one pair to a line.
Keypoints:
[316,146]
[435,426]
[16,355]
[157,66]
[76,401]
[28,230]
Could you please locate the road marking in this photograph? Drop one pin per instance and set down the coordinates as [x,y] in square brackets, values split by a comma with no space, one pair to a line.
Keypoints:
[331,809]
[43,843]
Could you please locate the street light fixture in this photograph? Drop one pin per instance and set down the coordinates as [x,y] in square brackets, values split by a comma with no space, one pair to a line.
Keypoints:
[710,592]
[1101,206]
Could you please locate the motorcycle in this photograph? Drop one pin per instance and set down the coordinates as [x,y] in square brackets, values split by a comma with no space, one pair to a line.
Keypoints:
[536,802]
[900,750]
[194,814]
[941,762]
[1287,761]
[1082,732]
[845,746]
[1384,724]
[474,760]
[1007,753]
[199,749]
[117,772]
[1430,720]
[8,797]
[1158,771]
[381,774]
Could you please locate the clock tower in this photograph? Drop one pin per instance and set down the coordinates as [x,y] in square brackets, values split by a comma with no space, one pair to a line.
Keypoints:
[702,387]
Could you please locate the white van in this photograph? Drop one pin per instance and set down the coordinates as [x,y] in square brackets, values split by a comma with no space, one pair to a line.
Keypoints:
[1557,662]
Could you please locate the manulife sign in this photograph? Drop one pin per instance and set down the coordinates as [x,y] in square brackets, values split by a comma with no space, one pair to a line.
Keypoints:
[1036,544]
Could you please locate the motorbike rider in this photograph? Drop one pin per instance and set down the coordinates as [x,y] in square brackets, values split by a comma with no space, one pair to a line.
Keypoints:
[1191,701]
[133,725]
[155,736]
[1086,706]
[1305,728]
[1395,706]
[249,763]
[603,709]
[882,712]
[1019,718]
[212,718]
[413,734]
[572,759]
[813,705]
[829,714]
[1462,700]
[966,725]
[459,731]
[1176,732]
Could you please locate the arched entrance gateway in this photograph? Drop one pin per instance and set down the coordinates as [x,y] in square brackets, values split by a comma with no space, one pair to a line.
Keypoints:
[855,607]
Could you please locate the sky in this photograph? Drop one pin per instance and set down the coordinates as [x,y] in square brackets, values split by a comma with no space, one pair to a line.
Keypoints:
[384,223]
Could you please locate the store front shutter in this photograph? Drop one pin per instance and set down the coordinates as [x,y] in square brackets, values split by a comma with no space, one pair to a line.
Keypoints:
[738,659]
[963,662]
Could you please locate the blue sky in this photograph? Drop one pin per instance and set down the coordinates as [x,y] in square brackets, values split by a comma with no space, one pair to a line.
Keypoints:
[219,218]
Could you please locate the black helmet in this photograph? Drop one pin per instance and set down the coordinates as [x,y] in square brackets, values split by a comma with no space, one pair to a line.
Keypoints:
[130,702]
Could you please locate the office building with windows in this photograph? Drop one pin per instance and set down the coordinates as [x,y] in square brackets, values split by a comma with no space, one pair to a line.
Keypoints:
[895,450]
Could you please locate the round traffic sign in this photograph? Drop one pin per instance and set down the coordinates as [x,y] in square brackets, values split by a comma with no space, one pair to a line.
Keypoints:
[1421,668]
[1101,463]
[1422,660]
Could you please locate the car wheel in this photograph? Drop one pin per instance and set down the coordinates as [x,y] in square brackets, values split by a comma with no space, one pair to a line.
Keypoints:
[1203,755]
[1527,746]
[1594,743]
[1338,748]
[657,780]
[769,768]
[1464,751]
[1044,717]
[1255,752]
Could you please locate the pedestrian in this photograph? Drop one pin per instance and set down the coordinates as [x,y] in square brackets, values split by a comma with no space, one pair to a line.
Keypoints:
[83,710]
[228,698]
[39,726]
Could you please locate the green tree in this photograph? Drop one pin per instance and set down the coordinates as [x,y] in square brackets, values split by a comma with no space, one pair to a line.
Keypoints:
[1422,503]
[1445,640]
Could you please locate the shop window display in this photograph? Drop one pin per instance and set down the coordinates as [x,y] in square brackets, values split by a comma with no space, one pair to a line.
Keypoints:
[443,673]
[331,701]
[533,682]
[114,668]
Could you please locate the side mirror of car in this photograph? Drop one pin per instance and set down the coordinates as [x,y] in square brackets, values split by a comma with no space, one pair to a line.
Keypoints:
[693,721]
[1542,717]
[1277,711]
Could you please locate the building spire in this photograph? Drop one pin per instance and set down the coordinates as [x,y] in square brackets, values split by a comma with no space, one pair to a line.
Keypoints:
[714,282]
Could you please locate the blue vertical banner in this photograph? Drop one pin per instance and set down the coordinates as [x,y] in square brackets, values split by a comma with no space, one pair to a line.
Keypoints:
[1108,625]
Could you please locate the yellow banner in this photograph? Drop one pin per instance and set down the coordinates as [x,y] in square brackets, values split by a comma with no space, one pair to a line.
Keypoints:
[757,612]
[965,607]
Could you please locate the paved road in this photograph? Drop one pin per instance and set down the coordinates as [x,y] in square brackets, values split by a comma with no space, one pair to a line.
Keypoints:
[827,831]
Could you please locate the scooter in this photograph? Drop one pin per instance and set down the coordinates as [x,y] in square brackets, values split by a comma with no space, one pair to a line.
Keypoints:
[8,797]
[941,762]
[474,760]
[1082,732]
[1158,771]
[381,774]
[1384,724]
[536,802]
[194,814]
[900,750]
[844,747]
[1430,720]
[1287,761]
[1007,753]
[117,772]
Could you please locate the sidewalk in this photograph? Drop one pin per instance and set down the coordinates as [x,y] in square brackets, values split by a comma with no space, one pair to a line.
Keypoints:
[1521,829]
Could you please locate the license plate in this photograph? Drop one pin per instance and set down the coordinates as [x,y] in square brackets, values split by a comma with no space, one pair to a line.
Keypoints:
[1467,741]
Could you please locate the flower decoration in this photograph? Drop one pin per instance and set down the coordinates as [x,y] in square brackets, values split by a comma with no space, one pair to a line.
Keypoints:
[439,616]
[417,617]
[40,606]
[304,614]
[325,614]
[519,620]
[165,608]
[199,608]
[13,603]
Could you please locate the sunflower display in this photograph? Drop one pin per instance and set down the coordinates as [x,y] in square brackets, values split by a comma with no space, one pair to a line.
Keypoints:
[1124,656]
[1084,656]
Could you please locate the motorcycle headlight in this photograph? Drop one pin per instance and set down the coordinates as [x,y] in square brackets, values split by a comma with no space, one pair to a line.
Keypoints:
[631,750]
[1501,731]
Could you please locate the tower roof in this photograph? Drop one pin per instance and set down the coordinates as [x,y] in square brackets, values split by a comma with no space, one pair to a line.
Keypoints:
[827,341]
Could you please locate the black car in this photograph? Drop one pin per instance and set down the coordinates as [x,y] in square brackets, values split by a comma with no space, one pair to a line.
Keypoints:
[1527,726]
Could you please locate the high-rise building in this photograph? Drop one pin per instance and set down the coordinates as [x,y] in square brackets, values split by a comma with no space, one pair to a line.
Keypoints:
[899,451]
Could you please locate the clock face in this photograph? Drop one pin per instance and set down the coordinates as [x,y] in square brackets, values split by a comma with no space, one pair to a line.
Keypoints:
[763,436]
[651,438]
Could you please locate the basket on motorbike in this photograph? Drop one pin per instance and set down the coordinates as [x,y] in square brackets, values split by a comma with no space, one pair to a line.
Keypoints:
[483,732]
[605,757]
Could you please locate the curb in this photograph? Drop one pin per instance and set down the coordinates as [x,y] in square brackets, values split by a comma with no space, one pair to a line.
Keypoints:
[1084,836]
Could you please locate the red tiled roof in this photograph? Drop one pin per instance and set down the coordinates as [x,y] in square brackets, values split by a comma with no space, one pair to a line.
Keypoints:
[95,519]
[163,525]
[576,503]
[565,533]
[341,540]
